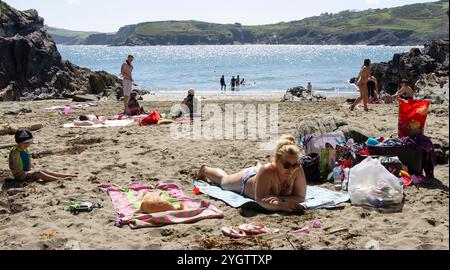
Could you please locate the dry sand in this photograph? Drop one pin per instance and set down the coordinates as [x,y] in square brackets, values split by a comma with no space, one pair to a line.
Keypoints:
[124,154]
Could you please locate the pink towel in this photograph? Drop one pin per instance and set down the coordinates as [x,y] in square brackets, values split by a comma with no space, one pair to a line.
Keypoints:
[125,203]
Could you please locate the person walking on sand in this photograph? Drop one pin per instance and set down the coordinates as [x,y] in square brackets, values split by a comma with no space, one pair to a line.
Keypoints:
[364,76]
[223,85]
[126,71]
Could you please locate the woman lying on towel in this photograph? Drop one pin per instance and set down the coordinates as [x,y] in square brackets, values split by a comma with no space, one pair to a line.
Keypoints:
[89,120]
[277,186]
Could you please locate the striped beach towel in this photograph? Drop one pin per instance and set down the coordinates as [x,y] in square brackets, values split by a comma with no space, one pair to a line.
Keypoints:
[126,204]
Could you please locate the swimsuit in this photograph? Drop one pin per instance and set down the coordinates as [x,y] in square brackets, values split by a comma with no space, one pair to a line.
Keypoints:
[249,173]
[24,159]
[405,97]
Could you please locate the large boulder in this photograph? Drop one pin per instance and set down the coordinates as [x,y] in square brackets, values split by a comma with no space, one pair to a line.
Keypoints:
[331,124]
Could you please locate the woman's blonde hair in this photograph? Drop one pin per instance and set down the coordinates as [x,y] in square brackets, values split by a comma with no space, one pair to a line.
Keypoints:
[286,145]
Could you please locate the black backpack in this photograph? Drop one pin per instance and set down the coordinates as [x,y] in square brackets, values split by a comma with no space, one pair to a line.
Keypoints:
[311,167]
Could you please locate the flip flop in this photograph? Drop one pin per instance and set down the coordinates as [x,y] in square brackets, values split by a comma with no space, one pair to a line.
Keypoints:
[305,230]
[253,228]
[233,232]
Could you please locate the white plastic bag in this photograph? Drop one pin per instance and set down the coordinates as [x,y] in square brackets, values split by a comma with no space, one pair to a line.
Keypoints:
[370,183]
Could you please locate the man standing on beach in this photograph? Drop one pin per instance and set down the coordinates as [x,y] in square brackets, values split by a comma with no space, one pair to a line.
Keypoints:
[126,71]
[223,85]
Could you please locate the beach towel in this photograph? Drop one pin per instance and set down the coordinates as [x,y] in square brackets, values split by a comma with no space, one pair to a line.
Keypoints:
[72,107]
[127,206]
[316,197]
[124,116]
[108,123]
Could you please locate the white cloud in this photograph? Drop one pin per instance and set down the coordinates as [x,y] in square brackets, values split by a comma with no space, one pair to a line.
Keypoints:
[73,2]
[373,2]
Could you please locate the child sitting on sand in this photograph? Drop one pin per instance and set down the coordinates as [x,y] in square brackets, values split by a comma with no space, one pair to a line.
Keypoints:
[20,161]
[133,105]
[89,120]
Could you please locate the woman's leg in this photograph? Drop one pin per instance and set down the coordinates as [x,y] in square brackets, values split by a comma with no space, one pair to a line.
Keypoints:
[218,176]
[357,101]
[365,97]
[59,175]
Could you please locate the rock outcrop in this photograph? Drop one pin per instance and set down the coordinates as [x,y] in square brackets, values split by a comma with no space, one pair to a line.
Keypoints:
[426,70]
[31,67]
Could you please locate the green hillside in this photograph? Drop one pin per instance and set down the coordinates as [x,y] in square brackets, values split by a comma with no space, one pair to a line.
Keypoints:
[68,33]
[410,24]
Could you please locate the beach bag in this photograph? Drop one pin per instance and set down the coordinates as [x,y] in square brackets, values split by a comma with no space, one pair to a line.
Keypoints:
[315,143]
[310,164]
[370,183]
[151,119]
[327,161]
[412,116]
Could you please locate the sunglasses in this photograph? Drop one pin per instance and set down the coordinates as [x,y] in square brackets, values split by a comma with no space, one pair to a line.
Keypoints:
[287,165]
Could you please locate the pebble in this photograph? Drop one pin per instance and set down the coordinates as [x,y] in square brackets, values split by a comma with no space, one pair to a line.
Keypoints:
[372,245]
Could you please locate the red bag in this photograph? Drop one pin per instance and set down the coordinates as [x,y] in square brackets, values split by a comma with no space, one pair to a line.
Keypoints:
[151,119]
[412,116]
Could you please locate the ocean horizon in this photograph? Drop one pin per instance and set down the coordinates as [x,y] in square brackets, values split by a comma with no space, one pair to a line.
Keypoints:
[265,68]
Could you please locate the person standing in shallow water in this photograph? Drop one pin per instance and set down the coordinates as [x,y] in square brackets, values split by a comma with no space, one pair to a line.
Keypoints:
[364,76]
[126,72]
[223,85]
[233,84]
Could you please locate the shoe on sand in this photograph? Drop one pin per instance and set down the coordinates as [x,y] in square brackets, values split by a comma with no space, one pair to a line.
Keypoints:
[233,232]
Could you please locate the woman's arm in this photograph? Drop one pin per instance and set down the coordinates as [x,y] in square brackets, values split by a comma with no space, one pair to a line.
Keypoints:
[299,191]
[269,201]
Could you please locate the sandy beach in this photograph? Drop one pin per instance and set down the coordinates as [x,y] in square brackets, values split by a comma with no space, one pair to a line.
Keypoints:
[125,154]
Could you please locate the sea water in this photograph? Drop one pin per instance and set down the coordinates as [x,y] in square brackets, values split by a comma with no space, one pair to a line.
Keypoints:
[265,68]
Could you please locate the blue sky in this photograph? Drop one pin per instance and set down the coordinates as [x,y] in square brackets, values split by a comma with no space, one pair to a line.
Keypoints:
[110,15]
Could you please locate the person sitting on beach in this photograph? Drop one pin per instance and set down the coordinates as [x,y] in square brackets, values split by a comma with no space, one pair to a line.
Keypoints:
[190,105]
[89,120]
[133,105]
[405,92]
[277,186]
[20,161]
[243,81]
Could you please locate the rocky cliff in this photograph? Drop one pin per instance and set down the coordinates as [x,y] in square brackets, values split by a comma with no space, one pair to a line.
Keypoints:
[31,67]
[426,70]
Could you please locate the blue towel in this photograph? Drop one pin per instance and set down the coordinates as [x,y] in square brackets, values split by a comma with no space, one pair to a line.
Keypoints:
[316,197]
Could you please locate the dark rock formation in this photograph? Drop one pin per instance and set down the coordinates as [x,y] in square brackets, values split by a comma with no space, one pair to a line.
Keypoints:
[31,67]
[426,70]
